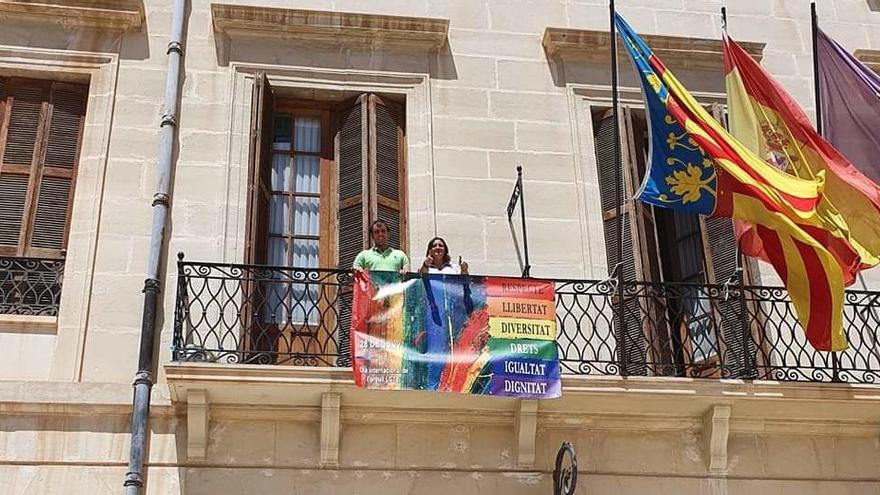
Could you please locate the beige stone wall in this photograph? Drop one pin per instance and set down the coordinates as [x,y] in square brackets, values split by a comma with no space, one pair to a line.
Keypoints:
[488,102]
[428,443]
[491,101]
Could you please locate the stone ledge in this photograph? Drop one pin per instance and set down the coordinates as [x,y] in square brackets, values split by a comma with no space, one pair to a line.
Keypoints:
[42,397]
[335,28]
[599,402]
[587,46]
[125,15]
[28,324]
[871,58]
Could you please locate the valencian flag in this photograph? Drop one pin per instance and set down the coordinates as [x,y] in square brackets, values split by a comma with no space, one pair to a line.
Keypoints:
[770,123]
[455,333]
[695,165]
[850,99]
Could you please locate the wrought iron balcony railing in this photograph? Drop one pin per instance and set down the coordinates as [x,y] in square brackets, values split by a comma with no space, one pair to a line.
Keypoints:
[277,315]
[30,286]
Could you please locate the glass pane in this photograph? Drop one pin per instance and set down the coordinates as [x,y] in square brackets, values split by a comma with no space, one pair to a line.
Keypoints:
[305,253]
[303,304]
[698,312]
[274,309]
[281,133]
[307,134]
[308,174]
[278,252]
[281,173]
[279,215]
[306,216]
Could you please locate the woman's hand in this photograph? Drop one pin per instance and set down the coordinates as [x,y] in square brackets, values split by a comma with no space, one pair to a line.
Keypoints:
[463,265]
[426,264]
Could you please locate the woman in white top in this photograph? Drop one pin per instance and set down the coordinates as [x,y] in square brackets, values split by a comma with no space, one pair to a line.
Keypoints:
[437,260]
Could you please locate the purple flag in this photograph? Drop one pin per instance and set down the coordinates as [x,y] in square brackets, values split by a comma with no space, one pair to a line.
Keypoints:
[850,94]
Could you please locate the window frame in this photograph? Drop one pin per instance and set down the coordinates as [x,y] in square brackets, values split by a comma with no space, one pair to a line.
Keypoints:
[38,169]
[592,101]
[328,175]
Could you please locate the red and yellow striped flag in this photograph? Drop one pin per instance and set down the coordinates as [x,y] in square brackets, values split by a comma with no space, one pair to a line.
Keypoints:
[772,125]
[788,210]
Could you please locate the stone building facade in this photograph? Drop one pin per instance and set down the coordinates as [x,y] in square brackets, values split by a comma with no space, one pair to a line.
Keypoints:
[441,101]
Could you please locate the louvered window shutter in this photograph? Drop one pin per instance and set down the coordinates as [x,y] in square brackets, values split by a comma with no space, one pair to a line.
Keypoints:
[721,251]
[607,171]
[40,153]
[387,174]
[351,158]
[259,169]
[631,344]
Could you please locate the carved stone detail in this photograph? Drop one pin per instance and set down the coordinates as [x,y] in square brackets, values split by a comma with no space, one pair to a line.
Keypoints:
[196,424]
[586,46]
[526,428]
[330,427]
[716,429]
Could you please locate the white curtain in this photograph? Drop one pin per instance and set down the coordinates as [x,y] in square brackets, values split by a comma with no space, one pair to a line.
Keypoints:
[287,302]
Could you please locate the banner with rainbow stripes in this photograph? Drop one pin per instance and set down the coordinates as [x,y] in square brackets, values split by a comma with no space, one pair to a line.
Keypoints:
[452,333]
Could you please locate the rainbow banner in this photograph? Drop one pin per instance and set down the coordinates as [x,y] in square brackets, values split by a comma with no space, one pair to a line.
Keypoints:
[451,333]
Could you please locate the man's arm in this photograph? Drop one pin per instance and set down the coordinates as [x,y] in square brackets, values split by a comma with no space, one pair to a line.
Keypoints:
[360,262]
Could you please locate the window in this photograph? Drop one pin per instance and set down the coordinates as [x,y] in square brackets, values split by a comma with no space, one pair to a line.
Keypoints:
[320,173]
[40,131]
[683,325]
[41,125]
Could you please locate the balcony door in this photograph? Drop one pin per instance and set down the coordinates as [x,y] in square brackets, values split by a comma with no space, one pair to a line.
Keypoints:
[321,171]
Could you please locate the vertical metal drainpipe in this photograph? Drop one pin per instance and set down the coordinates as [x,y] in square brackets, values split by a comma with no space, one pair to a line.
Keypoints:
[143,380]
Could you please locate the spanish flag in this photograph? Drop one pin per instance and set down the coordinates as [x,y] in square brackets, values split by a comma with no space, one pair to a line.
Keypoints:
[771,124]
[696,165]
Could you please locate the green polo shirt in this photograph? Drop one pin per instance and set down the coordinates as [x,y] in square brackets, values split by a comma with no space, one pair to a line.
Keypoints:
[390,260]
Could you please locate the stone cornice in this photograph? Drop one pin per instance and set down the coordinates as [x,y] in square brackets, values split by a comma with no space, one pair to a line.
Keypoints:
[314,26]
[871,58]
[579,45]
[124,15]
[604,402]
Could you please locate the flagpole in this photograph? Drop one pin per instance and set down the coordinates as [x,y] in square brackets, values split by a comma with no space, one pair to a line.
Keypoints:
[618,192]
[724,19]
[814,29]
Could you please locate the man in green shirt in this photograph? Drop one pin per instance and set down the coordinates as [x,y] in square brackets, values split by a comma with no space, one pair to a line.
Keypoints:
[381,257]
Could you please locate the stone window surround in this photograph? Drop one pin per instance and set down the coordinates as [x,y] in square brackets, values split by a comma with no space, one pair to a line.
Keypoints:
[99,71]
[415,88]
[125,15]
[581,97]
[871,58]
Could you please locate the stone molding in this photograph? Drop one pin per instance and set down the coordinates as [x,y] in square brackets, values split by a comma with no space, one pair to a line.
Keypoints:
[871,58]
[588,46]
[124,15]
[28,324]
[315,26]
[612,403]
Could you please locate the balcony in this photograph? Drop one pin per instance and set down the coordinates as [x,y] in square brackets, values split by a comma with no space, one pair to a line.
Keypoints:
[30,286]
[277,316]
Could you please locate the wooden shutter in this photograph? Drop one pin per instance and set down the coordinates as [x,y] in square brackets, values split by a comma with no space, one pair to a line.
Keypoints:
[607,171]
[387,170]
[260,337]
[722,253]
[41,125]
[352,139]
[259,169]
[631,343]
